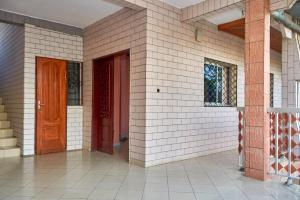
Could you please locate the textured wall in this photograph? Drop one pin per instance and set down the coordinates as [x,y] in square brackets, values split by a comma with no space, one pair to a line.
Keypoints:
[290,71]
[74,127]
[176,124]
[276,69]
[12,75]
[123,30]
[47,43]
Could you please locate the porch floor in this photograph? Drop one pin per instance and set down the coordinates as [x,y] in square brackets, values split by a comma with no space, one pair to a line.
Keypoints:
[85,175]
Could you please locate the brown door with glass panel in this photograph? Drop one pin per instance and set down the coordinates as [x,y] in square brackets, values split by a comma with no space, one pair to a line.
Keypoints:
[51,105]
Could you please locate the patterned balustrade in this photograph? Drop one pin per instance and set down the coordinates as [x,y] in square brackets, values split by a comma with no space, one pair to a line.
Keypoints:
[241,137]
[285,142]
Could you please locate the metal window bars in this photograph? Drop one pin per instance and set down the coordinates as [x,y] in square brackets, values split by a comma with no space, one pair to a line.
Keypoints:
[74,83]
[220,83]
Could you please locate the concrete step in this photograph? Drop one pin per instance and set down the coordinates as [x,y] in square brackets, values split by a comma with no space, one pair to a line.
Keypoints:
[1,108]
[9,152]
[8,142]
[3,116]
[6,133]
[4,124]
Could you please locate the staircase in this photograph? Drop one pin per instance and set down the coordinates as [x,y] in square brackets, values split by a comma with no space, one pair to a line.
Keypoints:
[8,143]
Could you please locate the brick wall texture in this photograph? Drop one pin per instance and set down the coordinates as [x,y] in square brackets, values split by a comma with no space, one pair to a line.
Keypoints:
[174,124]
[168,126]
[290,71]
[123,30]
[52,44]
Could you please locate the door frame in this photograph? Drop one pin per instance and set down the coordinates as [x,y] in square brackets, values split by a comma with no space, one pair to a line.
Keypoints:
[36,108]
[93,135]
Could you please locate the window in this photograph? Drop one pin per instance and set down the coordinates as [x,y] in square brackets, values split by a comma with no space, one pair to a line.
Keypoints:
[297,94]
[74,83]
[271,90]
[220,83]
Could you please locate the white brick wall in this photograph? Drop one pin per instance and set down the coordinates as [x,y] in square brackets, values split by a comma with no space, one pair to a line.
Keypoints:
[290,71]
[52,44]
[12,74]
[276,69]
[123,30]
[175,125]
[74,127]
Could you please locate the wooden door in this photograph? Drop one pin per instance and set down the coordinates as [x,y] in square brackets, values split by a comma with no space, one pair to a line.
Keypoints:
[103,98]
[51,105]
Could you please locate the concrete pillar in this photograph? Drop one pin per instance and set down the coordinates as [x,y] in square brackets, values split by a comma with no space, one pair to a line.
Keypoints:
[257,88]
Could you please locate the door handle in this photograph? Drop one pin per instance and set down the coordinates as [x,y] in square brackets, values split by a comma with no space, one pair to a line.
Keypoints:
[40,104]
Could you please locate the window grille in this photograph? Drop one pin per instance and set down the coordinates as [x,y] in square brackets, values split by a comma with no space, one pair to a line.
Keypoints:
[220,84]
[74,83]
[271,90]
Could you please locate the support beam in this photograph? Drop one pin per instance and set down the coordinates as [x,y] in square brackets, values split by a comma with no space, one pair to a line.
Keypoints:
[204,9]
[257,88]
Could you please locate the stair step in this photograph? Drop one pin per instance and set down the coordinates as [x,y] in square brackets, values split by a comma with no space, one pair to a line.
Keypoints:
[6,133]
[8,142]
[1,108]
[9,152]
[3,116]
[4,124]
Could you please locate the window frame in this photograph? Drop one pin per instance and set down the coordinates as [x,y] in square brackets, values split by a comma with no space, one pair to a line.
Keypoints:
[80,100]
[227,69]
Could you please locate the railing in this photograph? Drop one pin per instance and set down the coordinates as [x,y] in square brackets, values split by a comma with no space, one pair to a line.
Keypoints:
[284,142]
[241,138]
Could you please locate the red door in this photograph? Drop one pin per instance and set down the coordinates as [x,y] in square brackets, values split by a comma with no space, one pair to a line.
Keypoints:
[51,109]
[103,96]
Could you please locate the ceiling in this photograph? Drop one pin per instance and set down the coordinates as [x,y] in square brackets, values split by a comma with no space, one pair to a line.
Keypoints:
[78,13]
[237,28]
[182,3]
[225,16]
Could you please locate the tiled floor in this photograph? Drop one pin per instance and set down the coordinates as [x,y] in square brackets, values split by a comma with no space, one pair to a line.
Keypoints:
[95,176]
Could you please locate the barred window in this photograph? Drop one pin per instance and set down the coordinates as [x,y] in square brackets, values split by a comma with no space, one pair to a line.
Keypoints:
[220,84]
[271,90]
[74,83]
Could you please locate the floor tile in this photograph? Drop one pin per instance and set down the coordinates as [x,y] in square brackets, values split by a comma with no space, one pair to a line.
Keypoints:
[129,195]
[150,195]
[97,176]
[182,196]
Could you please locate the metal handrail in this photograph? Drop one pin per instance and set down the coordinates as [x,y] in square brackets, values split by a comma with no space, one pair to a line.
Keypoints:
[290,112]
[284,110]
[289,126]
